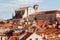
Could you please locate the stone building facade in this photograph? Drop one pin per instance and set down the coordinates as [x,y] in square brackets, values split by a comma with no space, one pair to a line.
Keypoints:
[45,15]
[34,14]
[23,12]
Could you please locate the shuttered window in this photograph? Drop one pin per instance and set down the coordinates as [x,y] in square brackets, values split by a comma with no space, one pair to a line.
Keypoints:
[36,38]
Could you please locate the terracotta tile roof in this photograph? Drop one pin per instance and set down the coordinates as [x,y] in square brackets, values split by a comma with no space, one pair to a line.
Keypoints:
[40,33]
[52,11]
[13,38]
[50,31]
[46,12]
[51,39]
[21,34]
[58,18]
[47,31]
[27,25]
[16,24]
[7,25]
[39,22]
[42,22]
[57,32]
[15,33]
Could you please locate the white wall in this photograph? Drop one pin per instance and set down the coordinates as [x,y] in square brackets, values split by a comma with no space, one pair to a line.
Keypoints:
[57,15]
[34,36]
[30,11]
[25,14]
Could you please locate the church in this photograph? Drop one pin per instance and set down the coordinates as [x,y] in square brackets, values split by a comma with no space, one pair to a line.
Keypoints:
[33,13]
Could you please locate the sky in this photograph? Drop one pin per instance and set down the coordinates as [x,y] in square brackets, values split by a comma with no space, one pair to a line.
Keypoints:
[7,7]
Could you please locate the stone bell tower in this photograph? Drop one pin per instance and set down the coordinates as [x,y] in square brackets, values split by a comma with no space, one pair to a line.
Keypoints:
[36,8]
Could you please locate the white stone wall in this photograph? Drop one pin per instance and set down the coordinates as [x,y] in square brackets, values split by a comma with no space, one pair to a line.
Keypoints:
[57,15]
[30,11]
[25,14]
[34,36]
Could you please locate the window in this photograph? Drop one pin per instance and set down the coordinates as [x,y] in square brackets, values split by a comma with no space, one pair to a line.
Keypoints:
[36,38]
[30,39]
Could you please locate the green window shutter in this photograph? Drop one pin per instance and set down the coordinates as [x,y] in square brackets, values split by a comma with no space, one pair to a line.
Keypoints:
[36,38]
[30,39]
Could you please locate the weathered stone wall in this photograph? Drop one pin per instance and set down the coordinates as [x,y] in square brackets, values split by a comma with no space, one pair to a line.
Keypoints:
[46,17]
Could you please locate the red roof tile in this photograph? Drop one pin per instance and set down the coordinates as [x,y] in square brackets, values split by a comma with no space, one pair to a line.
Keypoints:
[27,25]
[13,38]
[58,18]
